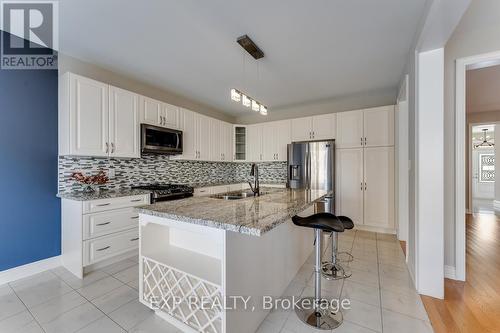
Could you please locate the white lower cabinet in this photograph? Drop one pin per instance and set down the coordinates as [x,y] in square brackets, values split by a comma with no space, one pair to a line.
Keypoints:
[379,187]
[97,230]
[97,249]
[350,184]
[365,186]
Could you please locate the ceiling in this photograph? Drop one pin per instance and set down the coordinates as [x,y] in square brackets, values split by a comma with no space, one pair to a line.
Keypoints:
[314,50]
[483,89]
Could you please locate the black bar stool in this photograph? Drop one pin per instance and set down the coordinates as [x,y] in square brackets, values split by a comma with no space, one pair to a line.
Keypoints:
[333,270]
[321,315]
[348,225]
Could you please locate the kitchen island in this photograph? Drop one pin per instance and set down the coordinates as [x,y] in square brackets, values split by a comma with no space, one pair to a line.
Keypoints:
[206,263]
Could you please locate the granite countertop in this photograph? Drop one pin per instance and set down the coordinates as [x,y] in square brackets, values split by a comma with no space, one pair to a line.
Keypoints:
[103,194]
[253,216]
[206,184]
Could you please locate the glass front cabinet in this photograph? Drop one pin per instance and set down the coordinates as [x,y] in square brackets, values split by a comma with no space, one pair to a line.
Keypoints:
[240,143]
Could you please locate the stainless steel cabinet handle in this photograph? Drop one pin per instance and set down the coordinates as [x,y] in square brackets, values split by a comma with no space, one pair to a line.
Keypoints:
[361,141]
[365,140]
[135,200]
[365,186]
[361,186]
[134,217]
[134,239]
[112,147]
[107,147]
[102,205]
[277,156]
[313,134]
[104,248]
[105,223]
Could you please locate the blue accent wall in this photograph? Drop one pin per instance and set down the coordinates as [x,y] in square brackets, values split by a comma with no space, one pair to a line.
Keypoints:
[30,218]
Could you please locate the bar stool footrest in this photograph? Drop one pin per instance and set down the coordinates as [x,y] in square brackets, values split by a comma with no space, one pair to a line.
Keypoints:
[324,318]
[334,271]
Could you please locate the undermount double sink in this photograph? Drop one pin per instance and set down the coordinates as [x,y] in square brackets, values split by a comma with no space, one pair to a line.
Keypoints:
[235,195]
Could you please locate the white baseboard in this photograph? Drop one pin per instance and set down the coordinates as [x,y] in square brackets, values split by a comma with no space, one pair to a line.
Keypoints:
[33,268]
[449,272]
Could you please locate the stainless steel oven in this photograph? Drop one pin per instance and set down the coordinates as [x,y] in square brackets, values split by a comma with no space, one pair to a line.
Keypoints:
[160,140]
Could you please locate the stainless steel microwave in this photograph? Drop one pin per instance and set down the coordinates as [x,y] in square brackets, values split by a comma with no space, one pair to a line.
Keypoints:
[160,140]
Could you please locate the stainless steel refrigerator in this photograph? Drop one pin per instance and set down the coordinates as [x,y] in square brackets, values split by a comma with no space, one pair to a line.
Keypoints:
[311,165]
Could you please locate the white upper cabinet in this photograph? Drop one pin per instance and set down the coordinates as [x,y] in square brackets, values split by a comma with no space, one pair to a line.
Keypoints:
[96,119]
[267,142]
[204,141]
[124,123]
[221,148]
[170,114]
[84,116]
[254,143]
[227,142]
[379,187]
[379,126]
[350,129]
[282,138]
[188,126]
[320,127]
[217,135]
[151,111]
[157,113]
[302,129]
[323,127]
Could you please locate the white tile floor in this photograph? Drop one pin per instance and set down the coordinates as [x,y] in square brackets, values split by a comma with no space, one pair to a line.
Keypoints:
[106,301]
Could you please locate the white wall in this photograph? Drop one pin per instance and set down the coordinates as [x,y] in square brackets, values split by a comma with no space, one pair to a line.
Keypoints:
[477,33]
[430,240]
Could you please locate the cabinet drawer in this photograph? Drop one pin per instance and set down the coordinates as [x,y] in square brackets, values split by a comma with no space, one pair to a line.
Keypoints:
[115,203]
[102,248]
[104,223]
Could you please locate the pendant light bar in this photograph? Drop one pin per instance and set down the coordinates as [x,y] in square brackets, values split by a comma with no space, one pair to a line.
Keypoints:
[246,101]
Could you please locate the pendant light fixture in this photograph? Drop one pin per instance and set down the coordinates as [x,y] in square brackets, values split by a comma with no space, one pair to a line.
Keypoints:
[237,95]
[485,143]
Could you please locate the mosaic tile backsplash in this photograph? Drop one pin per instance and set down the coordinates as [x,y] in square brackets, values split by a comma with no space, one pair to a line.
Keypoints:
[160,169]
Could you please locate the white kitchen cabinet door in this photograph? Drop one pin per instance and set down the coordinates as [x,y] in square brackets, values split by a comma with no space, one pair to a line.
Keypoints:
[379,188]
[349,129]
[151,111]
[170,115]
[216,139]
[379,126]
[124,123]
[269,141]
[254,143]
[189,135]
[283,138]
[350,184]
[204,139]
[89,117]
[227,142]
[323,127]
[302,129]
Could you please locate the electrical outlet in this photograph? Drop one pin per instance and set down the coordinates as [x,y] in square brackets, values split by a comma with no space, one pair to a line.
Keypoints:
[111,173]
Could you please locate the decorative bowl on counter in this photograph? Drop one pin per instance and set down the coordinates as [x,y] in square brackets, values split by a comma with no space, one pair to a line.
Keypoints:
[91,183]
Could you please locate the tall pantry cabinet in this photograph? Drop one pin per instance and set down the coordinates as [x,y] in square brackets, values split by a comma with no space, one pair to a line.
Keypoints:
[365,167]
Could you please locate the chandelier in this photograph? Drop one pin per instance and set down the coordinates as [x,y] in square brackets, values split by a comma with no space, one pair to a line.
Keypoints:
[485,143]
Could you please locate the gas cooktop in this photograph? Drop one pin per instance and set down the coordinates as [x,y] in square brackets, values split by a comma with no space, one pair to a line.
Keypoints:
[162,192]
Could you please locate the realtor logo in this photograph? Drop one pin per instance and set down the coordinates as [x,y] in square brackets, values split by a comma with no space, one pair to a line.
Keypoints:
[29,34]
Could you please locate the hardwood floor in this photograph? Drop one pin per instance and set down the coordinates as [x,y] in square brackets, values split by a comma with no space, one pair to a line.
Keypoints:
[474,305]
[403,246]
